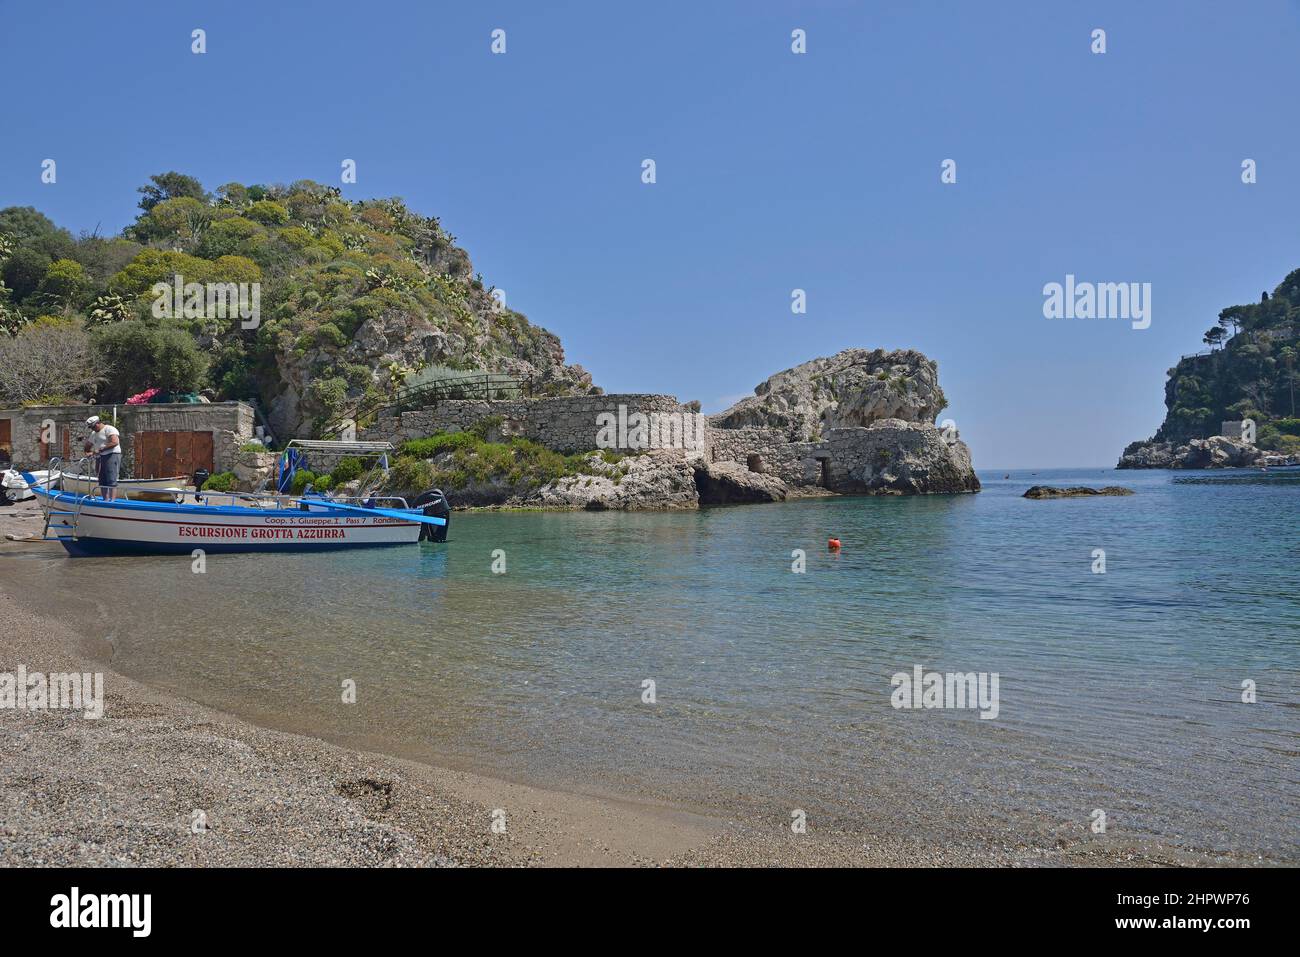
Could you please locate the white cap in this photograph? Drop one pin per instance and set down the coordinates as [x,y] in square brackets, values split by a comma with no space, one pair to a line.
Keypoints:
[93,421]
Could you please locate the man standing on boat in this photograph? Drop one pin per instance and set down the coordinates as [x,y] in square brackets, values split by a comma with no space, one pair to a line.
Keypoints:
[106,442]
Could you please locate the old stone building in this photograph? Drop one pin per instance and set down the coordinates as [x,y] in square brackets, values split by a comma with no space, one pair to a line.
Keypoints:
[163,439]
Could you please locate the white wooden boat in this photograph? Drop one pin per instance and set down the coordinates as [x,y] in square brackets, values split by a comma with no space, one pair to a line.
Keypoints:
[81,484]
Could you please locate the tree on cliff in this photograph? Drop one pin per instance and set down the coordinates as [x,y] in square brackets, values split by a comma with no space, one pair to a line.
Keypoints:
[164,186]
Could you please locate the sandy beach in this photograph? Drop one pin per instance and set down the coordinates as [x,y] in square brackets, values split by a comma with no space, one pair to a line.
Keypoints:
[125,790]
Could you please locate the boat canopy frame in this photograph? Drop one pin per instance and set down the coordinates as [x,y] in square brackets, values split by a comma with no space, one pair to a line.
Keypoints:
[295,452]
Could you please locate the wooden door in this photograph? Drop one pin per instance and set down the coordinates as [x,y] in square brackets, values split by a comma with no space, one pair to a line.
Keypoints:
[6,440]
[164,454]
[201,453]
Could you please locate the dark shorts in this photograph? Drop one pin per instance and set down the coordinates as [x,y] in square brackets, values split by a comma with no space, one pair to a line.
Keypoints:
[109,466]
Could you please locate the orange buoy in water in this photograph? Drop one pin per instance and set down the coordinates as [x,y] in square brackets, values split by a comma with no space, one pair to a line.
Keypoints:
[833,544]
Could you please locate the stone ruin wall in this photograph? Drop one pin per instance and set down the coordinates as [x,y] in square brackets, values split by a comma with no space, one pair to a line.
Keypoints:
[841,461]
[566,424]
[795,463]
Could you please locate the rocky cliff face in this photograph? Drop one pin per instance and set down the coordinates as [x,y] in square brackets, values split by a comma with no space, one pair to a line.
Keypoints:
[1216,452]
[855,387]
[893,457]
[1249,372]
[442,319]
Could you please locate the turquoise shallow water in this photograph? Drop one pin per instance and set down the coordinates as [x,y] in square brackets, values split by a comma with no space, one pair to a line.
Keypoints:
[1119,691]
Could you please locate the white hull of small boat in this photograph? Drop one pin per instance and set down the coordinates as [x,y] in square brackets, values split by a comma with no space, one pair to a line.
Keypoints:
[86,484]
[15,488]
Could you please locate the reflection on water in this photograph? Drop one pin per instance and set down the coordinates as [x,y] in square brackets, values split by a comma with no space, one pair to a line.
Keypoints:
[1119,690]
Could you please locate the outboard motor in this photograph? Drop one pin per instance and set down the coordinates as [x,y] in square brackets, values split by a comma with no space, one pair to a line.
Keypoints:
[200,476]
[433,503]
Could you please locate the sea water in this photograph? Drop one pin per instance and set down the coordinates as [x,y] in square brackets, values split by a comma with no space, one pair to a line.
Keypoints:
[1146,652]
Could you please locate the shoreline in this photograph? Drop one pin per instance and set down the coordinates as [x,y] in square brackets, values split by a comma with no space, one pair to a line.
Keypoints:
[123,789]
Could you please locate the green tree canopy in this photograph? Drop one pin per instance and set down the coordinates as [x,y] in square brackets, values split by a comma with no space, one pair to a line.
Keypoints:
[65,284]
[141,355]
[164,186]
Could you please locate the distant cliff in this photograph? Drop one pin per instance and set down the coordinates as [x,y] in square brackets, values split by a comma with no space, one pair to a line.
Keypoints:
[1249,372]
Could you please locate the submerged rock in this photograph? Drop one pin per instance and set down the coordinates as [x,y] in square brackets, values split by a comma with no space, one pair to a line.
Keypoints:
[1048,491]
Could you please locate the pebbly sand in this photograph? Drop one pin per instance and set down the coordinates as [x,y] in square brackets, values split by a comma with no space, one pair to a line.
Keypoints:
[125,789]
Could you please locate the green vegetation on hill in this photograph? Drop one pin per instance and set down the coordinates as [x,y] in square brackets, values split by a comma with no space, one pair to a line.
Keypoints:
[355,298]
[1250,372]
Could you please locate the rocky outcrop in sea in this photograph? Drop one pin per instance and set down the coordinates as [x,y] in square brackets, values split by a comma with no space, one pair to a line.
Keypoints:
[1074,491]
[854,387]
[858,423]
[1216,452]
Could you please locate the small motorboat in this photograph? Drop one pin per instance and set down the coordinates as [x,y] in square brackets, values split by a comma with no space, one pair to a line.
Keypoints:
[15,488]
[88,525]
[237,522]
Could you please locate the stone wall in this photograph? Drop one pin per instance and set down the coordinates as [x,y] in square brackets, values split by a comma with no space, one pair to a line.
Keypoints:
[231,425]
[566,424]
[889,456]
[769,451]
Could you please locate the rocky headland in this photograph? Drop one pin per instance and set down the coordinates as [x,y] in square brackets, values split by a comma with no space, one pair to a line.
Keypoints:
[859,422]
[1234,405]
[1216,452]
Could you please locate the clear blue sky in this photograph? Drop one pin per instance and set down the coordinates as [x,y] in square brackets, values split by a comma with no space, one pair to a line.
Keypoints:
[775,171]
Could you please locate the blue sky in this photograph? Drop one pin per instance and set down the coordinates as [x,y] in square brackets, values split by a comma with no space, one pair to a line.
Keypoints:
[775,171]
